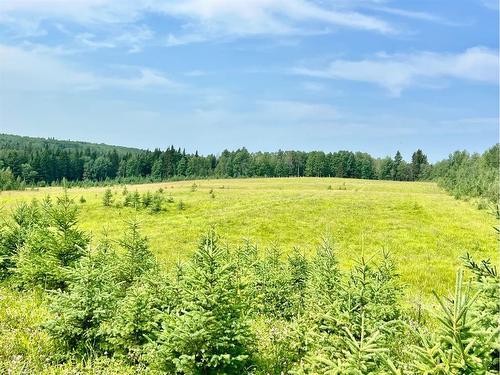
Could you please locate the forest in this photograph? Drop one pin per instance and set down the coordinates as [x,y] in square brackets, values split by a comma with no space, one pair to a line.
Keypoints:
[26,161]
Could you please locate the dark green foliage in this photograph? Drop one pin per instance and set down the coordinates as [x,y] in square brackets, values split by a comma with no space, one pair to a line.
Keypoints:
[208,333]
[42,162]
[419,166]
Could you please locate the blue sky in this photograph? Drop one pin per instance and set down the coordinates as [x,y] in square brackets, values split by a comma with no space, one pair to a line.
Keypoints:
[367,75]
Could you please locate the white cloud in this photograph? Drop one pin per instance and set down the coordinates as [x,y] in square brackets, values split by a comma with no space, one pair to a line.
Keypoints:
[173,40]
[278,17]
[34,71]
[400,71]
[422,16]
[200,19]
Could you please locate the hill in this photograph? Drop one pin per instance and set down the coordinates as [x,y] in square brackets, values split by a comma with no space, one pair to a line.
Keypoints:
[12,142]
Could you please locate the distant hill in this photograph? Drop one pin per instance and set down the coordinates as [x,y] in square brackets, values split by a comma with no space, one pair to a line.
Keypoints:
[10,141]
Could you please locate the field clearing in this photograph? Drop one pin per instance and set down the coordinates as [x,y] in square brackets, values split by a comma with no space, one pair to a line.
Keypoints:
[425,229]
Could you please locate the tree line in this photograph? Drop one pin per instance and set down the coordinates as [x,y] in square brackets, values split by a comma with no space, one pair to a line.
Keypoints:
[235,310]
[40,162]
[470,175]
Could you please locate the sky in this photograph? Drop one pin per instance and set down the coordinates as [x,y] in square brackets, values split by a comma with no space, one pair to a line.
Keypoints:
[362,75]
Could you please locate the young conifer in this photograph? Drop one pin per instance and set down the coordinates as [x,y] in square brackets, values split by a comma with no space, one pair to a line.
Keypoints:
[209,332]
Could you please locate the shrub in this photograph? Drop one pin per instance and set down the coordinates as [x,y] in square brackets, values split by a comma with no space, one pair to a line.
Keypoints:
[132,200]
[274,288]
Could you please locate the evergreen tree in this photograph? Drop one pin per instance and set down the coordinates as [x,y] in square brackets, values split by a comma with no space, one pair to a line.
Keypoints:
[50,251]
[107,199]
[208,334]
[418,164]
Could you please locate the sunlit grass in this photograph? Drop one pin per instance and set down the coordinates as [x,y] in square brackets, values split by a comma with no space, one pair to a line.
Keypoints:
[425,229]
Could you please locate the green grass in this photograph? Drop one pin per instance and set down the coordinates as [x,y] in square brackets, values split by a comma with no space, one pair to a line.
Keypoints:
[425,229]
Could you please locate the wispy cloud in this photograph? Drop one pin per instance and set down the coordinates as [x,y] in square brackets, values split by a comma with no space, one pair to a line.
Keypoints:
[417,15]
[200,20]
[31,70]
[267,17]
[400,71]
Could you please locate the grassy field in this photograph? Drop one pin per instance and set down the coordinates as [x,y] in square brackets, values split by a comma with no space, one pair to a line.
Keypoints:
[425,229]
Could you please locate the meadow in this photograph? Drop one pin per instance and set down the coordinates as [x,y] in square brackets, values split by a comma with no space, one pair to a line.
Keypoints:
[424,229]
[257,276]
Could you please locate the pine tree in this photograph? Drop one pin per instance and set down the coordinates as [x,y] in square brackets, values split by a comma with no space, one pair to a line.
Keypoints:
[418,164]
[138,258]
[52,249]
[107,199]
[208,334]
